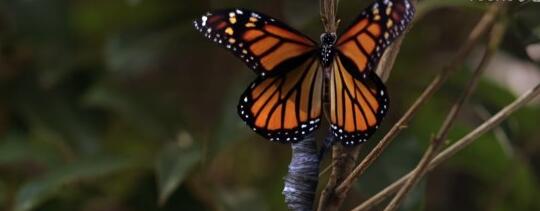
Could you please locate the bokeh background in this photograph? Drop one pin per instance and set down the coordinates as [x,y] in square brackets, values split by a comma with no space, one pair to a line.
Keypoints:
[122,105]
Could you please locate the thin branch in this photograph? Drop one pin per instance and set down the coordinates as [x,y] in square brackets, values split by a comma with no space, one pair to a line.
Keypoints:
[344,160]
[328,15]
[456,147]
[481,27]
[326,169]
[497,33]
[500,134]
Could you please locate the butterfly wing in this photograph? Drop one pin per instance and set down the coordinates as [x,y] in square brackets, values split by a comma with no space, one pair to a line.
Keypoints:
[285,108]
[374,29]
[265,44]
[357,105]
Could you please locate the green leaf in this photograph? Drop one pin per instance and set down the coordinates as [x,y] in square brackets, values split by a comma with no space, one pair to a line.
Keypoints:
[56,113]
[485,159]
[515,189]
[174,163]
[35,192]
[39,146]
[12,149]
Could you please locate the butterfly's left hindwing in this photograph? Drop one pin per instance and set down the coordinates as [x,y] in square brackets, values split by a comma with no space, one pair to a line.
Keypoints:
[285,108]
[265,44]
[357,105]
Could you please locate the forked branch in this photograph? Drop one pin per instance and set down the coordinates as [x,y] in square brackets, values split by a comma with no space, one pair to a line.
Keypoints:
[436,143]
[456,147]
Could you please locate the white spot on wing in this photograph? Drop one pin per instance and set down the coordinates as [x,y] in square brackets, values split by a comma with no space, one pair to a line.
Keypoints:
[204,19]
[255,15]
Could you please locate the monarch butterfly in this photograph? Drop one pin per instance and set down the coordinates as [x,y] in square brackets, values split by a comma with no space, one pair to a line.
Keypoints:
[295,74]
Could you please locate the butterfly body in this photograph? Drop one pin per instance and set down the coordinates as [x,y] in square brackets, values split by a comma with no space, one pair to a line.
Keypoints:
[295,74]
[327,49]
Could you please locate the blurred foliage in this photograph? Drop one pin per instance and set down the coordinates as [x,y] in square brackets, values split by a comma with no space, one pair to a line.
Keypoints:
[122,105]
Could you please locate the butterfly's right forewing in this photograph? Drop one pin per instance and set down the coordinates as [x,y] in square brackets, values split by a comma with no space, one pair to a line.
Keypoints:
[265,44]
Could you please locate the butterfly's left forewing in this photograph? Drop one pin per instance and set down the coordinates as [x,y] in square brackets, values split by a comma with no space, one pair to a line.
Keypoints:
[287,107]
[357,105]
[363,43]
[358,97]
[266,45]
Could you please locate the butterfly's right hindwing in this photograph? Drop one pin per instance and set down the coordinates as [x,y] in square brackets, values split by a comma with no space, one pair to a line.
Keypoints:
[287,107]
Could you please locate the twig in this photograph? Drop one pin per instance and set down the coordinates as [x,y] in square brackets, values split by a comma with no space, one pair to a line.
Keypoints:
[302,178]
[344,160]
[481,27]
[500,134]
[456,147]
[436,143]
[326,169]
[328,15]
